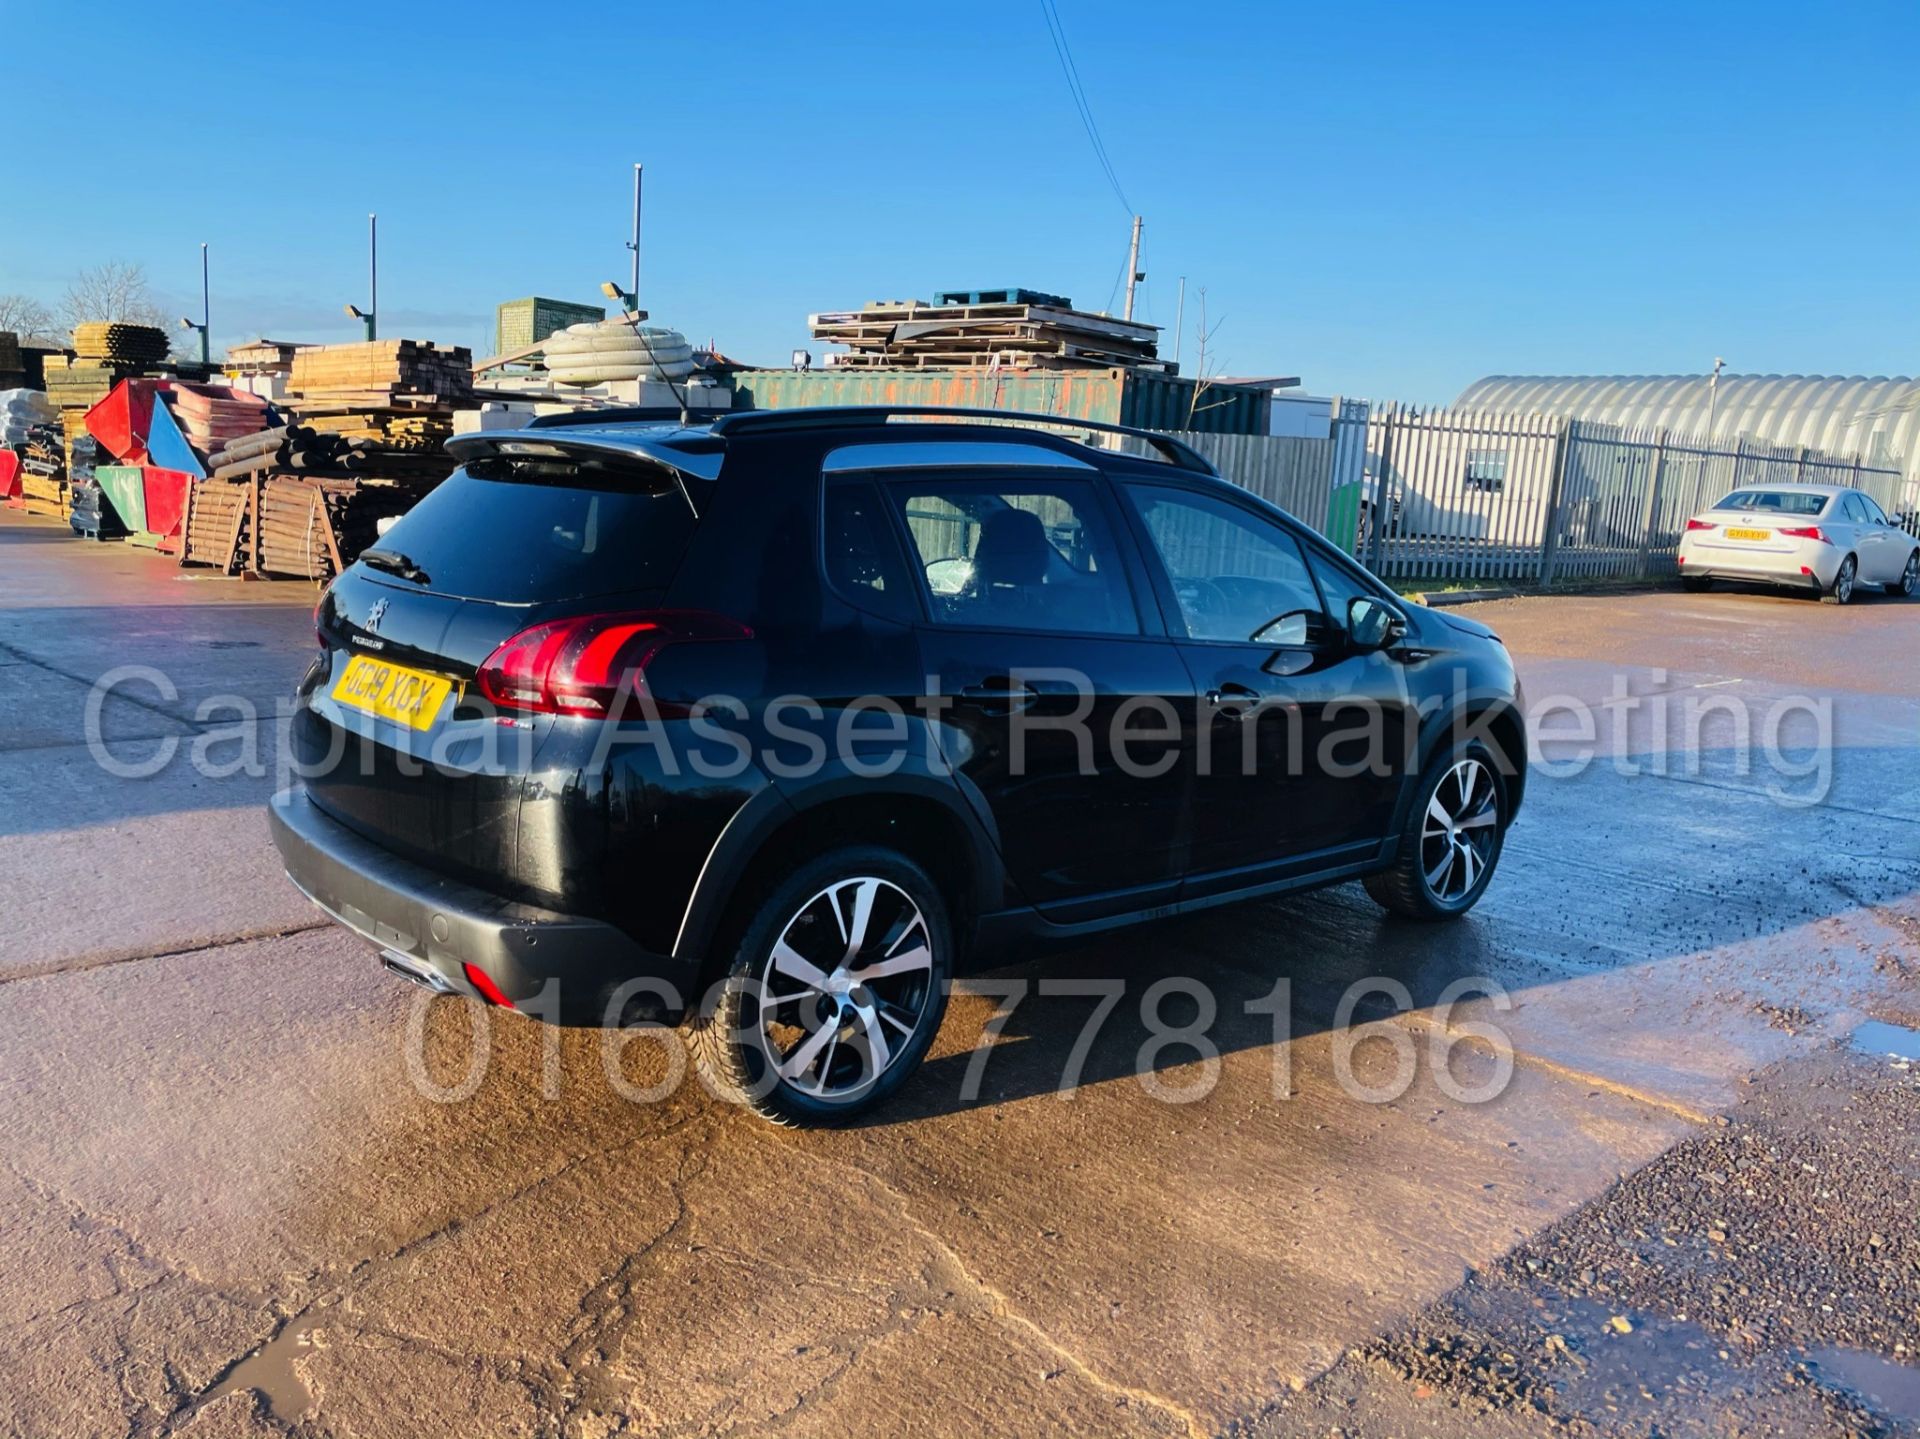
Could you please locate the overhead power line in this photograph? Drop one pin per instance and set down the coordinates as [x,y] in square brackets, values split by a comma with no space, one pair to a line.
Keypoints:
[1057,32]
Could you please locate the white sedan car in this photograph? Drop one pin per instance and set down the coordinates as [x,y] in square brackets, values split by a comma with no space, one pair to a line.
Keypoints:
[1831,539]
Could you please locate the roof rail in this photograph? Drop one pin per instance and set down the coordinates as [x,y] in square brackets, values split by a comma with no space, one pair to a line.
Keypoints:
[823,417]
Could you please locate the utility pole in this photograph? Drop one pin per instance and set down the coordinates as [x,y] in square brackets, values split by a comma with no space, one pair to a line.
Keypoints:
[633,291]
[1713,395]
[1133,266]
[1179,321]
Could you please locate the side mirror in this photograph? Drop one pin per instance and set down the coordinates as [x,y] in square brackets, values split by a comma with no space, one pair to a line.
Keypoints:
[1371,625]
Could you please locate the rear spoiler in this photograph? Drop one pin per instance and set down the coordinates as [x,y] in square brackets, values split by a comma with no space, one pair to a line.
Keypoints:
[688,455]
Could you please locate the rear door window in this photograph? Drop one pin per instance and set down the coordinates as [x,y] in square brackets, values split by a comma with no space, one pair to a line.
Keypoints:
[518,533]
[1021,554]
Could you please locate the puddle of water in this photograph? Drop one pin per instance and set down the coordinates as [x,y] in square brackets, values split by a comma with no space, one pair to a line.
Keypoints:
[1891,1040]
[270,1371]
[1891,1388]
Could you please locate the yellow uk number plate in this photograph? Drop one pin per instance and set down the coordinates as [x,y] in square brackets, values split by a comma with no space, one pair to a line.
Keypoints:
[393,692]
[1734,534]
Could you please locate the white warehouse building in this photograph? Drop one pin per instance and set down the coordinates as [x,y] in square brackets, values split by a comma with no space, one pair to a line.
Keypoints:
[1877,419]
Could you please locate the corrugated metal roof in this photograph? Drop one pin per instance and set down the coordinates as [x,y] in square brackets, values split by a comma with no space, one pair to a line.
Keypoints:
[1877,418]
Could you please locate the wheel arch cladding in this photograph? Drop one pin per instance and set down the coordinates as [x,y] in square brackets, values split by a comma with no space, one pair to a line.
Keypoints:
[930,827]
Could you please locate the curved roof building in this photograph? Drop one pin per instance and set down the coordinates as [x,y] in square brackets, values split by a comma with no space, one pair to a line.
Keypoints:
[1878,419]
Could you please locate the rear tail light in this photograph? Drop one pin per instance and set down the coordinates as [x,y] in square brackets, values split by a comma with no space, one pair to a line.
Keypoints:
[1807,532]
[1693,525]
[580,666]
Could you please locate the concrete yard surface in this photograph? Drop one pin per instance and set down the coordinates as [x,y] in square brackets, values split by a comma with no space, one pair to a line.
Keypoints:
[246,1191]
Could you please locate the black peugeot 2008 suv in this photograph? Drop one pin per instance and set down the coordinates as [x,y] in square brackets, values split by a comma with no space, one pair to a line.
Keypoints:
[771,725]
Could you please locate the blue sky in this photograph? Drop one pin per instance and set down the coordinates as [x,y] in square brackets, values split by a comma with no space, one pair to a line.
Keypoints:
[1387,200]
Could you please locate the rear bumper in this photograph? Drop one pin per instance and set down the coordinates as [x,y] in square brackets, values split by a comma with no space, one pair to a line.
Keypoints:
[430,927]
[1754,576]
[1761,567]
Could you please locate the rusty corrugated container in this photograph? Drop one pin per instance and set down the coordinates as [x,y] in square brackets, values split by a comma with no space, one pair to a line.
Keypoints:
[1143,398]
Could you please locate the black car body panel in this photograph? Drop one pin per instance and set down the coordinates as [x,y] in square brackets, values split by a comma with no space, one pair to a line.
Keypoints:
[539,840]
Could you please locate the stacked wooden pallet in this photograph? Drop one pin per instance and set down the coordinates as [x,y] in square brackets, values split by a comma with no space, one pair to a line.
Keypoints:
[43,472]
[1023,334]
[218,525]
[138,345]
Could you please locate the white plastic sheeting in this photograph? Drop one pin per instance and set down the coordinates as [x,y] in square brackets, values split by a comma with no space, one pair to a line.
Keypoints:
[20,409]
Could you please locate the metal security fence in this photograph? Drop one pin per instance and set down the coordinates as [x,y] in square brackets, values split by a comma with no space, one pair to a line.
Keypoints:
[1465,495]
[1476,495]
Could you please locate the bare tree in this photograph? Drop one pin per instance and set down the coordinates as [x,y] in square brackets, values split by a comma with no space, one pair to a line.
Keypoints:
[28,318]
[1206,369]
[112,293]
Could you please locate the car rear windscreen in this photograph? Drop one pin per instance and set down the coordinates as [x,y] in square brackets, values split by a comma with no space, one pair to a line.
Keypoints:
[1798,503]
[521,533]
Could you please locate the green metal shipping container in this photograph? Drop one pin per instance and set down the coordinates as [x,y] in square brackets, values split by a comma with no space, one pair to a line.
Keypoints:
[1142,398]
[519,323]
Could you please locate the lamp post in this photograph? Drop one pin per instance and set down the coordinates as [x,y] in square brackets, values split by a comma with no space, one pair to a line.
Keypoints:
[206,313]
[626,299]
[633,296]
[367,316]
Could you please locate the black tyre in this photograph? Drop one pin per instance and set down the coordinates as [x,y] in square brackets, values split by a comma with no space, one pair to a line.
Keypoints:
[1452,839]
[1909,580]
[1845,580]
[834,992]
[1697,584]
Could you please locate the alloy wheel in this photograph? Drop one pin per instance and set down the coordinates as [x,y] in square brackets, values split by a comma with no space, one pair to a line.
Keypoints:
[846,986]
[1461,829]
[1910,576]
[1843,582]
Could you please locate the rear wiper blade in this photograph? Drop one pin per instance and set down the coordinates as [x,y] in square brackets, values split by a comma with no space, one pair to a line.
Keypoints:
[395,563]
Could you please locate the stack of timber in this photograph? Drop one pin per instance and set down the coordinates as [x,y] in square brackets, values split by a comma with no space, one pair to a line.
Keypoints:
[403,392]
[43,472]
[319,497]
[304,449]
[136,345]
[263,357]
[312,527]
[76,439]
[13,367]
[81,384]
[1027,331]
